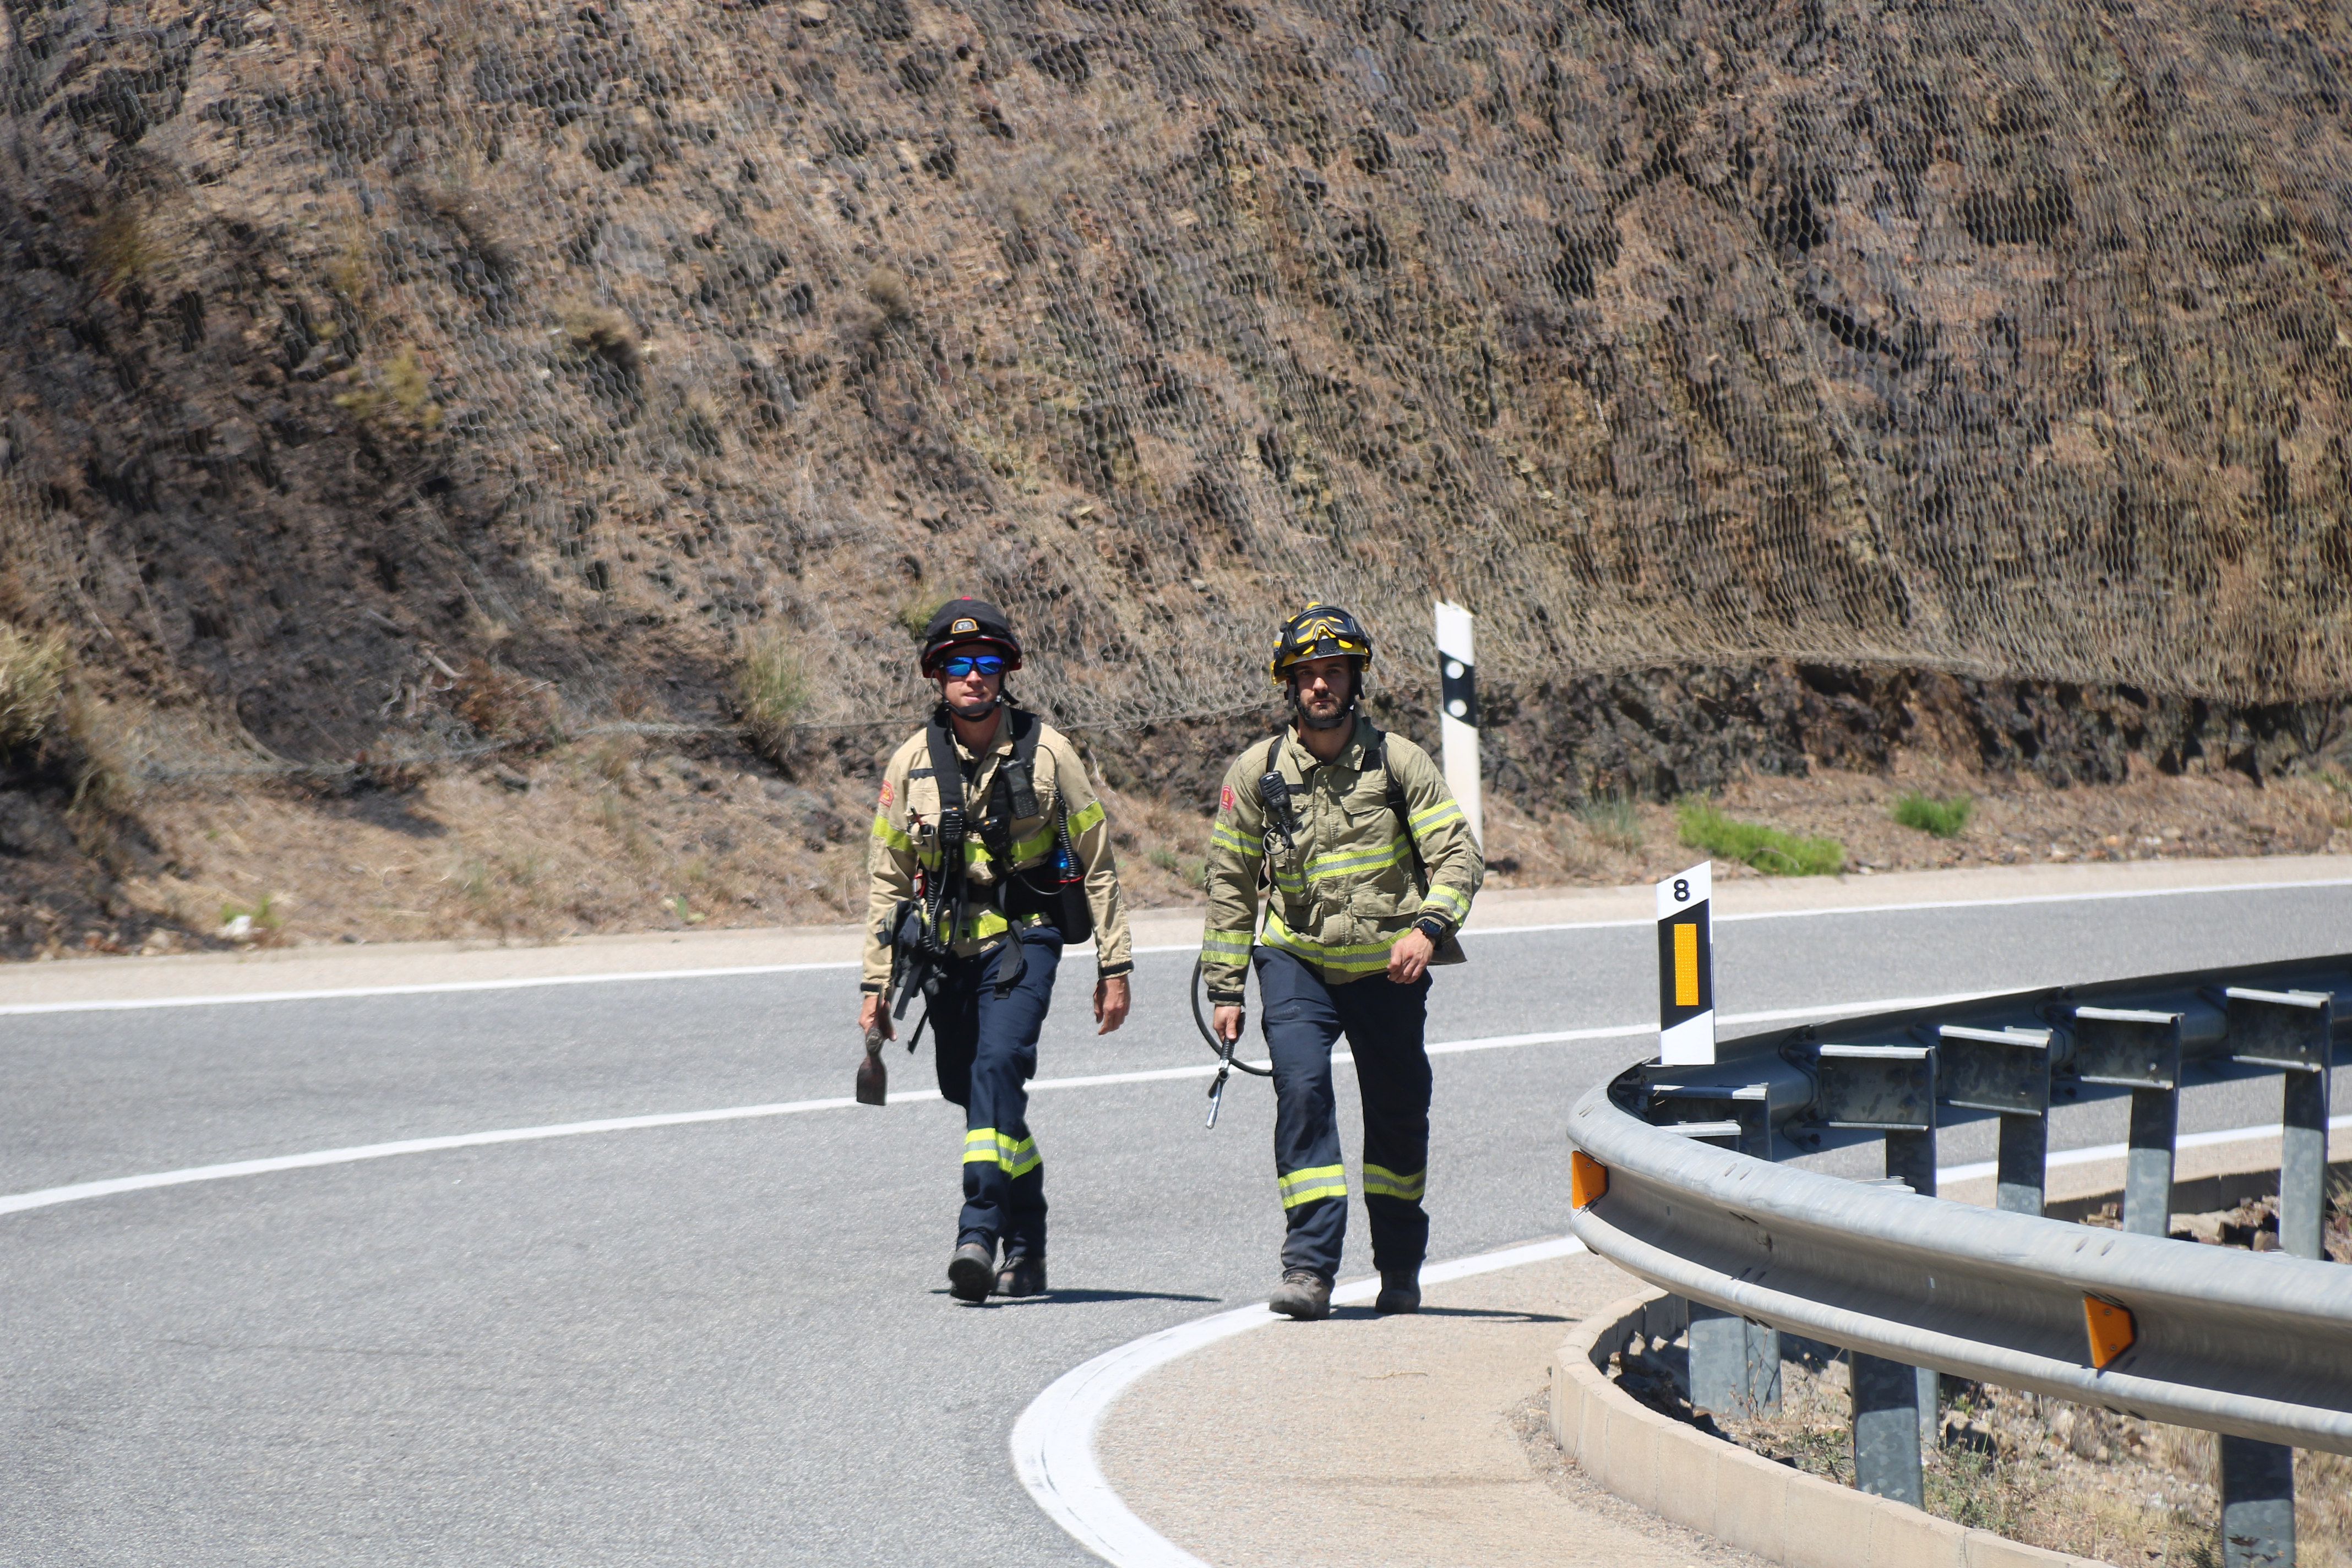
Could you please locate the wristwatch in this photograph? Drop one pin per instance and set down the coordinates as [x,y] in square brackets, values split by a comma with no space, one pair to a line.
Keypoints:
[1431,926]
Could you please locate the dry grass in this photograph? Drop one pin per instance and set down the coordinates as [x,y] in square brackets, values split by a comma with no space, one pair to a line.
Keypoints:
[32,683]
[773,689]
[2065,1477]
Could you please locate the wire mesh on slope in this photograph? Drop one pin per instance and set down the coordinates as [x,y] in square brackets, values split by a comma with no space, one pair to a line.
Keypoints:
[2010,337]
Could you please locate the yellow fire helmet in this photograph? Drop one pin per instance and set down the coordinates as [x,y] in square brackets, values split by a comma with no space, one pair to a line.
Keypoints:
[1318,631]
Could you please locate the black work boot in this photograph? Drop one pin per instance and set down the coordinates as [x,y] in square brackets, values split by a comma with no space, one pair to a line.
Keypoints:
[1303,1294]
[1023,1274]
[972,1271]
[1399,1293]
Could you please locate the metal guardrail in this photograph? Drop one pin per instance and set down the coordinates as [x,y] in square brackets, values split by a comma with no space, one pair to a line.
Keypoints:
[1684,1191]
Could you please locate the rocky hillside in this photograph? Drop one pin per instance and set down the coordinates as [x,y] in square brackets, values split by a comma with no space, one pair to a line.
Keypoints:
[1780,384]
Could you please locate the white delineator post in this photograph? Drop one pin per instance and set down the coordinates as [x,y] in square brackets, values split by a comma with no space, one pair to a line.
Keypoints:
[1457,712]
[1686,968]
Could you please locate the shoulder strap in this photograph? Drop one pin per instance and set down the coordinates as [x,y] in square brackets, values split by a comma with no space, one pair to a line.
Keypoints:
[1019,774]
[945,768]
[1378,757]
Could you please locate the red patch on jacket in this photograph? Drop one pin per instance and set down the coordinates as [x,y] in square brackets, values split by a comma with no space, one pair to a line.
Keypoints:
[1225,800]
[885,793]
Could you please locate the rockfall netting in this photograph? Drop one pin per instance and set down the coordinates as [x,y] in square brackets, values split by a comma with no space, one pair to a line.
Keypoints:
[2011,337]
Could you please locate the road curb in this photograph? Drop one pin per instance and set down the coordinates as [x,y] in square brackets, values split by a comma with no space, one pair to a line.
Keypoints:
[1775,1511]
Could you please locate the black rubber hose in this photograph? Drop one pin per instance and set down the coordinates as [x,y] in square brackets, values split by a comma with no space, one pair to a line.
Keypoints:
[1200,1022]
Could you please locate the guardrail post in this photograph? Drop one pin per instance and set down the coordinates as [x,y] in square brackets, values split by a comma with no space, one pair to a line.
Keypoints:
[2289,1030]
[1886,1427]
[1734,1365]
[1890,1089]
[2257,1504]
[2006,1071]
[2139,1051]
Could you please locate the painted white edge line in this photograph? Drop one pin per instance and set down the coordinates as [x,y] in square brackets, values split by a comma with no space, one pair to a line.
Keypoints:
[2093,1155]
[525,983]
[1054,1439]
[47,1197]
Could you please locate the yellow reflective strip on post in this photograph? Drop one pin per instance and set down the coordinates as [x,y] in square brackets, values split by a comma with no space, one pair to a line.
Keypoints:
[1687,964]
[1086,817]
[1314,1182]
[1453,902]
[889,834]
[1382,1183]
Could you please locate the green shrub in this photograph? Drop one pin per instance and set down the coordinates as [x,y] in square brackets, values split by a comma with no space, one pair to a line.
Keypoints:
[1944,818]
[32,683]
[1769,849]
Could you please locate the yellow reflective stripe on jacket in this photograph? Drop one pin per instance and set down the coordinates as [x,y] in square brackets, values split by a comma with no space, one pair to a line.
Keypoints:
[1314,1182]
[1225,946]
[1086,817]
[1448,901]
[1026,851]
[1380,1181]
[889,834]
[1225,835]
[1360,958]
[1013,1156]
[1338,863]
[1428,818]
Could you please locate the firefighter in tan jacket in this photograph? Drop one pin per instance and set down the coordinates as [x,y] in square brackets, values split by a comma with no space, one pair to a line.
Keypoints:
[990,853]
[1368,868]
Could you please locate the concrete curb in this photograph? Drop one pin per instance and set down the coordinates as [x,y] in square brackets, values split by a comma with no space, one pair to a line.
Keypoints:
[1703,1483]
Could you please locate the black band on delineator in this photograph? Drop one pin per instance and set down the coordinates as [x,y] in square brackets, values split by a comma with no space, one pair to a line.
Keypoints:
[1457,683]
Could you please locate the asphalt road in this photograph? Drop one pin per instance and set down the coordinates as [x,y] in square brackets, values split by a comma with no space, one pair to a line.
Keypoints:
[731,1343]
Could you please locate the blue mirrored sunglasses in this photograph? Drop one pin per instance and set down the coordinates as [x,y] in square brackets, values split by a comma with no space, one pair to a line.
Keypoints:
[957,665]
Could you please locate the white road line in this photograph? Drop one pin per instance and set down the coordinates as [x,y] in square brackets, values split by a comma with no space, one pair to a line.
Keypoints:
[1053,1440]
[49,1196]
[431,987]
[427,988]
[2097,1152]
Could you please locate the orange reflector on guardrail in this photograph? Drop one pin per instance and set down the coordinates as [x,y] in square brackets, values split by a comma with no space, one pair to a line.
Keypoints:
[1588,1179]
[2111,1329]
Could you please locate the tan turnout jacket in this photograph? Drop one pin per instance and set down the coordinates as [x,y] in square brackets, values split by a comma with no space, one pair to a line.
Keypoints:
[905,836]
[1345,893]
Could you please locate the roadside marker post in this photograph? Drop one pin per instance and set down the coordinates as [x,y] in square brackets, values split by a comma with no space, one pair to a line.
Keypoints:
[1457,712]
[1686,968]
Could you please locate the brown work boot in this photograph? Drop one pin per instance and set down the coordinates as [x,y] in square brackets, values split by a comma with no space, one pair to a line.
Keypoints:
[1399,1293]
[1303,1294]
[1023,1275]
[972,1271]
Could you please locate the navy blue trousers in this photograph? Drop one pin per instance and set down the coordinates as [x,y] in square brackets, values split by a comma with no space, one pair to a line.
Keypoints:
[986,1046]
[1301,1019]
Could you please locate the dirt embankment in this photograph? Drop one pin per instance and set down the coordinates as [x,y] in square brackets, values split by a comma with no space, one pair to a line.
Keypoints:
[389,382]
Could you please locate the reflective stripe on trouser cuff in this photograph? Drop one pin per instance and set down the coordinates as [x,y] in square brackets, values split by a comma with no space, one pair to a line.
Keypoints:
[1314,1182]
[1013,1156]
[1380,1181]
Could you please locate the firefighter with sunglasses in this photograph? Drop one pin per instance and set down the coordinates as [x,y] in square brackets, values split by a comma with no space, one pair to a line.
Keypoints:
[1368,868]
[990,855]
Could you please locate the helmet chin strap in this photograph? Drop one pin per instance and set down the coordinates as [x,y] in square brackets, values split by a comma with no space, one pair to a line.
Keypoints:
[973,715]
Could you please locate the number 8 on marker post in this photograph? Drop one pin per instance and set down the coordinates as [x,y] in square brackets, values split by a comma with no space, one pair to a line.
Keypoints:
[1687,969]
